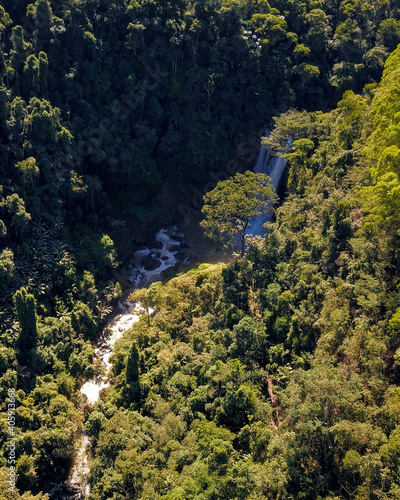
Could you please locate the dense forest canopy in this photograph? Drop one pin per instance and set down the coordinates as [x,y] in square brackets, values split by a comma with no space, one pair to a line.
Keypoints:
[274,377]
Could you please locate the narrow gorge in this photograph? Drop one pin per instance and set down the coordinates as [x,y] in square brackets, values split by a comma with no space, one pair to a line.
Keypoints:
[147,266]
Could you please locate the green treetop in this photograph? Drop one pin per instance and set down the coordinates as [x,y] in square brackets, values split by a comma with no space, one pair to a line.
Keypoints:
[233,203]
[25,306]
[132,388]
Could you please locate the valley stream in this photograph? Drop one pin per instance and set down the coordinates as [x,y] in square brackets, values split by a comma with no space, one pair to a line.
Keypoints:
[168,251]
[148,265]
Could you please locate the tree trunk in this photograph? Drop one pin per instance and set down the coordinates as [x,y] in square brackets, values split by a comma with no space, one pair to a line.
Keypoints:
[243,245]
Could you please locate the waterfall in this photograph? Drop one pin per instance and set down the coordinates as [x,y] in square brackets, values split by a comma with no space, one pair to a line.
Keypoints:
[146,266]
[263,158]
[273,166]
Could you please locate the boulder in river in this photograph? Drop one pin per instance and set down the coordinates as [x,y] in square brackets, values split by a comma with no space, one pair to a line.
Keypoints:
[150,262]
[181,240]
[181,256]
[155,244]
[178,237]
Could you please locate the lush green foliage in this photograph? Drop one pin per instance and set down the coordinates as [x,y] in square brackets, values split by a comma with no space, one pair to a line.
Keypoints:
[249,383]
[233,203]
[277,376]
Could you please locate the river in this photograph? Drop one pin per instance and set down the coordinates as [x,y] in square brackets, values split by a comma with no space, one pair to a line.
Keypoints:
[170,251]
[173,248]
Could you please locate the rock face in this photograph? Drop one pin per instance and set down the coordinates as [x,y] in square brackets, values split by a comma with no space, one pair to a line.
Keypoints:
[154,244]
[182,256]
[150,262]
[177,237]
[177,248]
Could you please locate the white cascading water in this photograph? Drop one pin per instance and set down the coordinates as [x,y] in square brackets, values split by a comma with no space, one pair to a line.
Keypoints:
[273,166]
[147,266]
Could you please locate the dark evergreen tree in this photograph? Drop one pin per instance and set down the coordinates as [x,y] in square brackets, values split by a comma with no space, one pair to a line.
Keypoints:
[132,389]
[25,306]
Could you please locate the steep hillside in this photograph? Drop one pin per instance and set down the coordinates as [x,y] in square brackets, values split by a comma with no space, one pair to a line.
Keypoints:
[117,115]
[276,376]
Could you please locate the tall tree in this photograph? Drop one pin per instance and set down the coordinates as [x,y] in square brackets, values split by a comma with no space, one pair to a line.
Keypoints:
[233,203]
[132,375]
[25,306]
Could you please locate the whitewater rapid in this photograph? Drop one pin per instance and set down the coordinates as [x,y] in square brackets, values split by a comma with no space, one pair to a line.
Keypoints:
[146,266]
